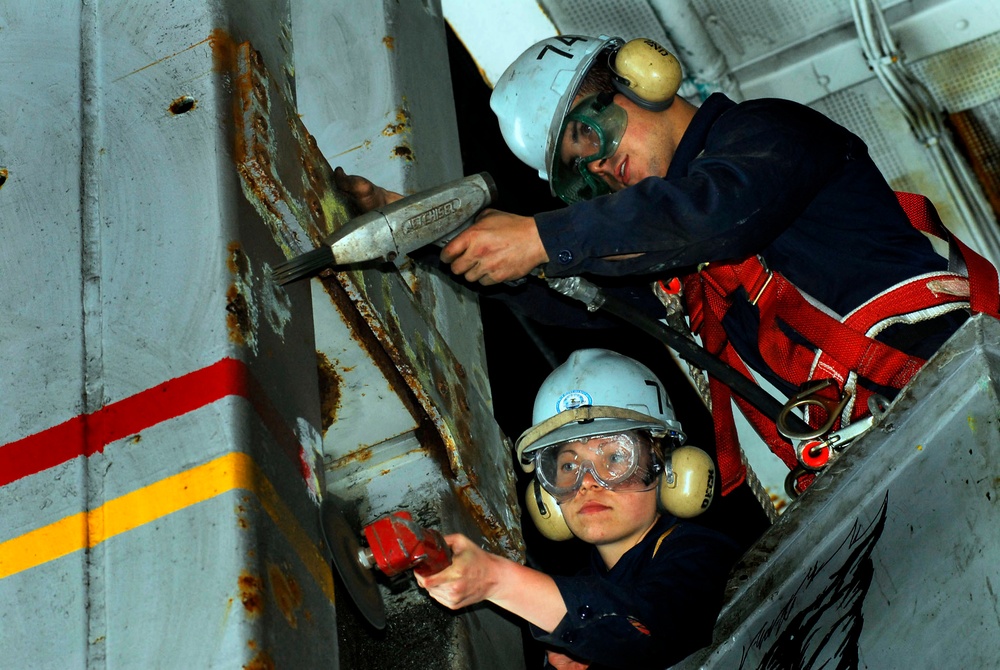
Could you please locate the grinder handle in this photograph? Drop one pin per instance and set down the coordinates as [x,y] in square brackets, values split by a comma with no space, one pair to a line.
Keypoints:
[438,554]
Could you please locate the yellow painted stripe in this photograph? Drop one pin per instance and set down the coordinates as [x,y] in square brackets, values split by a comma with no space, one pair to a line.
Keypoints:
[226,473]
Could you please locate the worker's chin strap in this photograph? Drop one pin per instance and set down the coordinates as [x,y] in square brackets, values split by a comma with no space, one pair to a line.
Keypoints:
[574,415]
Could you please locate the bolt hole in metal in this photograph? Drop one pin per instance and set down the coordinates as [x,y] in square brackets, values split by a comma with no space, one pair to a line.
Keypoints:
[3,176]
[183,105]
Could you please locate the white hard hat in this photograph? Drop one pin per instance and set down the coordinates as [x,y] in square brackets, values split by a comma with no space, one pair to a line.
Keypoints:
[534,94]
[597,392]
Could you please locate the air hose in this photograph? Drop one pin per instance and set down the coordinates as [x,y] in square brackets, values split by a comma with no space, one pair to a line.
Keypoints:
[594,298]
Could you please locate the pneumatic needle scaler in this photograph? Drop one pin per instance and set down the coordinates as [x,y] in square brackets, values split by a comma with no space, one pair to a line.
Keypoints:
[434,216]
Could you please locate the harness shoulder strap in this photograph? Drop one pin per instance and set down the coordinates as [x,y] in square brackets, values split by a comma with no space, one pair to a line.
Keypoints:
[984,285]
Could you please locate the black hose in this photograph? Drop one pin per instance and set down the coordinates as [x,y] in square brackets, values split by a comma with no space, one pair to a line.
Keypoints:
[686,348]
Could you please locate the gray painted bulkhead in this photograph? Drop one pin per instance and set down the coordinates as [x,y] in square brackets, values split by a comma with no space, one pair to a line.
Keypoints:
[163,436]
[138,241]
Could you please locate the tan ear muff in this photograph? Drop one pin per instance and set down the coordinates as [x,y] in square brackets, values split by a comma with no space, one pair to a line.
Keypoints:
[687,483]
[546,513]
[647,74]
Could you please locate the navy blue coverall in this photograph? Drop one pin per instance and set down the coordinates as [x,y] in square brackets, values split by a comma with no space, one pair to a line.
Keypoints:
[656,606]
[768,177]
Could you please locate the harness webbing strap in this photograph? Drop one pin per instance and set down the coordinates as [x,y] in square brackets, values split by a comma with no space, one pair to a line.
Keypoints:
[843,348]
[984,283]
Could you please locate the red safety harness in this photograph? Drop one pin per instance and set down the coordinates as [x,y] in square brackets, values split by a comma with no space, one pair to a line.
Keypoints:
[844,350]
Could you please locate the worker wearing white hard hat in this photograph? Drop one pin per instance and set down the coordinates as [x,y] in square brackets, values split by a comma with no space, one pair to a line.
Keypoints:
[797,259]
[610,469]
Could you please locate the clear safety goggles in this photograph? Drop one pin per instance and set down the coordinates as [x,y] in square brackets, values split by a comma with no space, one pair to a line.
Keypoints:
[591,132]
[619,462]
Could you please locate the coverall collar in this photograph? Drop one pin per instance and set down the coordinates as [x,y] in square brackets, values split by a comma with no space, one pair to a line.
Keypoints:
[694,138]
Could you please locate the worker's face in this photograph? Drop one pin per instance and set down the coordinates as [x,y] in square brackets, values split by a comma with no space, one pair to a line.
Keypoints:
[645,149]
[601,516]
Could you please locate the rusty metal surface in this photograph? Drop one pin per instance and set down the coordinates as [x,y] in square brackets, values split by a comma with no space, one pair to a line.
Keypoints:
[406,420]
[299,213]
[890,558]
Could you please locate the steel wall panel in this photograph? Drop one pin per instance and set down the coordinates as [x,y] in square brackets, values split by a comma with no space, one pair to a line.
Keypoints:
[161,456]
[160,433]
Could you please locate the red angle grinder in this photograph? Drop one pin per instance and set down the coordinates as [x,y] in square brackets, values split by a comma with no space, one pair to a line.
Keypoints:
[395,544]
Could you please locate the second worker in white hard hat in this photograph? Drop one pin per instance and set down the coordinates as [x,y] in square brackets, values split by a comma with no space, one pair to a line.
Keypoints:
[610,469]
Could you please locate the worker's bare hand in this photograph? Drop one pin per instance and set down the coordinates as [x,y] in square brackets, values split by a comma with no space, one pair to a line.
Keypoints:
[498,247]
[561,661]
[365,195]
[469,579]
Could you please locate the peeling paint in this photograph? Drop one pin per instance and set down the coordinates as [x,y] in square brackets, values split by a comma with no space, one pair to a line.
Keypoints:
[401,125]
[277,306]
[403,151]
[242,313]
[311,458]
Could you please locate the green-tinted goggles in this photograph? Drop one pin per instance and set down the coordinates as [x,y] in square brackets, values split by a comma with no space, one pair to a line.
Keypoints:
[591,132]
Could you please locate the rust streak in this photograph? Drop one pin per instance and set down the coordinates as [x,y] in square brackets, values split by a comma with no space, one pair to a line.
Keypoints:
[287,593]
[363,145]
[261,661]
[330,382]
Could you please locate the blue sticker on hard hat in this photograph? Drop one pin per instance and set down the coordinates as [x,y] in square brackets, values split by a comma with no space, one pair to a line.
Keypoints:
[572,400]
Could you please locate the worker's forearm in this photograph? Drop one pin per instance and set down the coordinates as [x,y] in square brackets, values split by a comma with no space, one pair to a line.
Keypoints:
[530,594]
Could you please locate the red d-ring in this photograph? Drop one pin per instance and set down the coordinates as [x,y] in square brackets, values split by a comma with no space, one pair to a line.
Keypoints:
[814,454]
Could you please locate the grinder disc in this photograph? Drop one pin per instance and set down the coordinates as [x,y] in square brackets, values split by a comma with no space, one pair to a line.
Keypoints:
[342,541]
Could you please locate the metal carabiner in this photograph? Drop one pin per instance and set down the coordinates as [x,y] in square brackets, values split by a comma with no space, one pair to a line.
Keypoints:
[807,397]
[814,455]
[792,482]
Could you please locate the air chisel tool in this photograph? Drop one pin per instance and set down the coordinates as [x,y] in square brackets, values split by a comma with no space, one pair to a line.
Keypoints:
[434,216]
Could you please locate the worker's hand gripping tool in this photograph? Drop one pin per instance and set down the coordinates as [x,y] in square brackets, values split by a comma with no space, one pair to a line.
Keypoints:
[434,216]
[397,544]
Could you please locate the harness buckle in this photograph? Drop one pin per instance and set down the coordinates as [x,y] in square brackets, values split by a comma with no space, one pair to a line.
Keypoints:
[807,397]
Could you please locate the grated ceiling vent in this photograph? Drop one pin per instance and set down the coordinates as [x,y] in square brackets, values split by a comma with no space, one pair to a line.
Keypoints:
[964,77]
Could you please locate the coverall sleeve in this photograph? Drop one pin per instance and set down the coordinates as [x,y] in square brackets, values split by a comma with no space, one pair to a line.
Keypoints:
[651,622]
[761,166]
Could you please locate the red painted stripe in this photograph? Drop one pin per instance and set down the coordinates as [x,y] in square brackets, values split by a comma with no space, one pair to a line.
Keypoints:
[88,434]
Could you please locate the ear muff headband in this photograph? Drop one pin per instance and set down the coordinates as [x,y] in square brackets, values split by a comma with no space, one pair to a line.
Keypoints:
[647,74]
